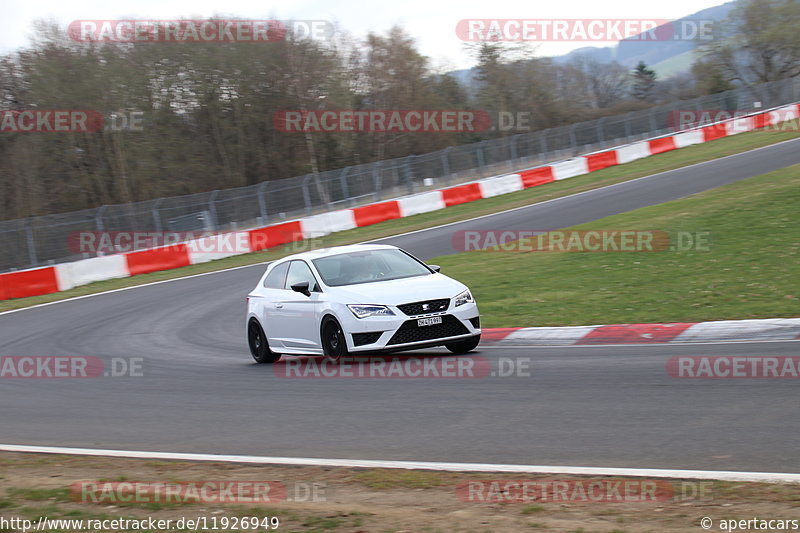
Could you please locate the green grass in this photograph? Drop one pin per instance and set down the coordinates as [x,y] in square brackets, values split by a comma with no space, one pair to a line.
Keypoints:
[749,271]
[383,479]
[643,167]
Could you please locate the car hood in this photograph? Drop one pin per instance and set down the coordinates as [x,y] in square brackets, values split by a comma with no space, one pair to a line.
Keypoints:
[400,291]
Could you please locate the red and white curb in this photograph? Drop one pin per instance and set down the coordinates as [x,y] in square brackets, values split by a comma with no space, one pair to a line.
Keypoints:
[769,329]
[763,477]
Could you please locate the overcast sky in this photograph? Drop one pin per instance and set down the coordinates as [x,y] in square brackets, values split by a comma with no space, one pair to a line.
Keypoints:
[431,22]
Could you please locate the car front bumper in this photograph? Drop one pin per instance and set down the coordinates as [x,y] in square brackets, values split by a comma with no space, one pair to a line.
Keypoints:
[403,332]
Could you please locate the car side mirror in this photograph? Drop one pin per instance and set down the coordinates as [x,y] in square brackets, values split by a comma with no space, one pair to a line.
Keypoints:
[435,268]
[302,288]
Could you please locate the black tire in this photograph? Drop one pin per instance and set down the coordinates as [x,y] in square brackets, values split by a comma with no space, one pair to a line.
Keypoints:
[464,346]
[334,344]
[259,347]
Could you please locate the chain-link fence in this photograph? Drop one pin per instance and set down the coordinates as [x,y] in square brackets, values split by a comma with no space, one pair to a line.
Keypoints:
[47,239]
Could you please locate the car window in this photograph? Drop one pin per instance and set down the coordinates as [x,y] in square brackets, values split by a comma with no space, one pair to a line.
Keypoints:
[299,272]
[367,266]
[276,277]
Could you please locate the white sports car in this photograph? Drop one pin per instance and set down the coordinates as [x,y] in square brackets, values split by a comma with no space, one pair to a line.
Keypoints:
[356,299]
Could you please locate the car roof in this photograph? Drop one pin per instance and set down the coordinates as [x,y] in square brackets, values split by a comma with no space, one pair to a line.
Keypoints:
[336,250]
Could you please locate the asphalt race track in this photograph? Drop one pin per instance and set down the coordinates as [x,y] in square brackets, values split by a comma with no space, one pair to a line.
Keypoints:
[584,406]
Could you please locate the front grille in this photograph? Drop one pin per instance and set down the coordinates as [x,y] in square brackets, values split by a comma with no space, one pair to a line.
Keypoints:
[360,339]
[419,308]
[411,332]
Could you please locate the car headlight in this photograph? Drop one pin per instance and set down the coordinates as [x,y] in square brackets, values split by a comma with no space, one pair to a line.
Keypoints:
[363,311]
[464,298]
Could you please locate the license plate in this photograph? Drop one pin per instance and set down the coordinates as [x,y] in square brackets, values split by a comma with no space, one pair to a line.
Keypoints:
[429,321]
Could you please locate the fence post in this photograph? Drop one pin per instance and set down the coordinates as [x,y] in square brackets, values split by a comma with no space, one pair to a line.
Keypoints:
[543,144]
[627,122]
[212,209]
[343,184]
[573,141]
[653,125]
[31,245]
[407,165]
[513,150]
[306,194]
[481,156]
[600,138]
[262,202]
[98,218]
[446,163]
[377,179]
[156,214]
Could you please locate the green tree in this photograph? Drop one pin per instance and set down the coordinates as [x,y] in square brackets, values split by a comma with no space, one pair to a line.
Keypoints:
[644,81]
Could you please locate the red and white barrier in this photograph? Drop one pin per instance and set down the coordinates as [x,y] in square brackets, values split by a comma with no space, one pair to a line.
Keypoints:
[421,203]
[570,168]
[500,185]
[375,213]
[688,138]
[24,283]
[68,275]
[326,223]
[632,152]
[219,246]
[77,273]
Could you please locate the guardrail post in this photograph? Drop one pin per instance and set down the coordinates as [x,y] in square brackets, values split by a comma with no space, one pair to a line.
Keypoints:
[573,141]
[513,149]
[31,244]
[481,155]
[307,194]
[627,126]
[377,179]
[407,165]
[543,144]
[262,202]
[600,138]
[98,218]
[213,210]
[156,214]
[343,184]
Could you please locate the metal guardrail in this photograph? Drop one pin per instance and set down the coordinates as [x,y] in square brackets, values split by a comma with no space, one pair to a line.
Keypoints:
[45,239]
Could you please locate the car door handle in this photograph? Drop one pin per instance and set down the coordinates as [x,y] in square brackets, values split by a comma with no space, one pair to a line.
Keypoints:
[278,306]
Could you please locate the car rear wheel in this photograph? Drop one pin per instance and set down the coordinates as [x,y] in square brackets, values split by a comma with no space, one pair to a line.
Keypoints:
[464,346]
[259,347]
[334,344]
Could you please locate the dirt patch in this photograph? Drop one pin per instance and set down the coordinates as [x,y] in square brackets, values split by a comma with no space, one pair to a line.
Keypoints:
[374,500]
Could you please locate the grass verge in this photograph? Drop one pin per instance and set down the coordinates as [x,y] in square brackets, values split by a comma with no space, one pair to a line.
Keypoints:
[643,167]
[748,271]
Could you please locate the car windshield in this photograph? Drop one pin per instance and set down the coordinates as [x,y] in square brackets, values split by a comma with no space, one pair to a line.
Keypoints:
[368,266]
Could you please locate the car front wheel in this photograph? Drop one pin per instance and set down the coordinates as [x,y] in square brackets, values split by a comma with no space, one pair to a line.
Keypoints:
[334,344]
[464,346]
[259,347]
